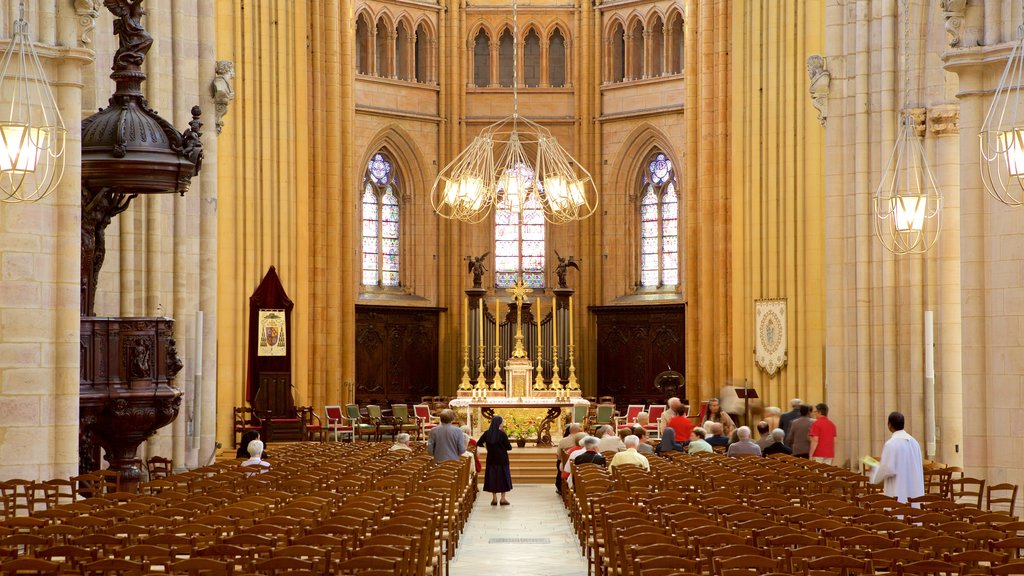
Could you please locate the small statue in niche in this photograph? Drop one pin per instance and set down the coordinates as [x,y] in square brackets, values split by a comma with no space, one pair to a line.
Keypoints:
[821,79]
[475,265]
[223,93]
[563,266]
[133,40]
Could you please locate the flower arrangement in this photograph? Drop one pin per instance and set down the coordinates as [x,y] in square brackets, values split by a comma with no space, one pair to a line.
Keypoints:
[520,428]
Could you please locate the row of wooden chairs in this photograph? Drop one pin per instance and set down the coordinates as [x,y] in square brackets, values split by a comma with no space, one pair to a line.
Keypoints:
[321,508]
[696,513]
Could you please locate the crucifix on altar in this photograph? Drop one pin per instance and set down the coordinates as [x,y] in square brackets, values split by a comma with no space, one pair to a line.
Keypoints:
[519,368]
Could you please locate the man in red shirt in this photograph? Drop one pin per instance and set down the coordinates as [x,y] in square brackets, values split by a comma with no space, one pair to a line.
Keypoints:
[681,424]
[823,436]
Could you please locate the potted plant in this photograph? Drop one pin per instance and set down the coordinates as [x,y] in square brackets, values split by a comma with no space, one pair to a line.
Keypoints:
[520,430]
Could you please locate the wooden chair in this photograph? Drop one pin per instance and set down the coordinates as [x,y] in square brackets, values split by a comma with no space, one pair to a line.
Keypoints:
[337,424]
[836,565]
[653,427]
[402,421]
[118,566]
[967,490]
[1012,568]
[745,565]
[27,565]
[928,568]
[424,419]
[197,566]
[246,419]
[630,418]
[158,467]
[310,423]
[603,416]
[363,425]
[1004,494]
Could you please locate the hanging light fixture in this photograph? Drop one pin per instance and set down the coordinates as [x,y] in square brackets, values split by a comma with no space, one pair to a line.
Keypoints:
[514,163]
[1002,133]
[32,132]
[908,202]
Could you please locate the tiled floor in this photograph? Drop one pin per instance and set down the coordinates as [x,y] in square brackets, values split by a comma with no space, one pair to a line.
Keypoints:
[537,514]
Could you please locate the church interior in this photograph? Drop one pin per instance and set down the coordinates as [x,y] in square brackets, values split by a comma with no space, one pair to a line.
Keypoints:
[289,215]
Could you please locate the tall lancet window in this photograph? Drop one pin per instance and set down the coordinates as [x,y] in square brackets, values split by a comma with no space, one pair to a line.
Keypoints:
[519,242]
[380,223]
[659,224]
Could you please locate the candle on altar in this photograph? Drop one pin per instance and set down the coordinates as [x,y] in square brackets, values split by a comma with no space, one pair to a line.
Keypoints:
[554,322]
[481,325]
[465,322]
[538,316]
[497,320]
[570,320]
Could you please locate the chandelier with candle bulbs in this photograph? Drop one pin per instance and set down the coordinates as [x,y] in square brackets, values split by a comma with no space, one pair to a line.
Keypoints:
[1002,133]
[907,202]
[512,164]
[32,132]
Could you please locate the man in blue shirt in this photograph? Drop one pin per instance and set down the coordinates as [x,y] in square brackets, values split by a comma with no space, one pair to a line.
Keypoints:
[446,442]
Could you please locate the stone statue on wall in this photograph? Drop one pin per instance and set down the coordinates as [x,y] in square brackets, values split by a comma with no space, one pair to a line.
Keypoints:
[133,39]
[954,11]
[87,12]
[475,265]
[223,93]
[820,82]
[563,266]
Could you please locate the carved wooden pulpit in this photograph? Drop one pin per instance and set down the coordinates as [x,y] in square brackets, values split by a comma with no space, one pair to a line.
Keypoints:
[269,378]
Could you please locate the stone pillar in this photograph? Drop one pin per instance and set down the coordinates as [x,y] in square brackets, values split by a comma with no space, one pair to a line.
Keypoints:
[495,54]
[544,63]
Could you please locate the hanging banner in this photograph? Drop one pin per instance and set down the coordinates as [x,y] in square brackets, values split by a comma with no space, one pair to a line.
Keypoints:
[770,350]
[272,333]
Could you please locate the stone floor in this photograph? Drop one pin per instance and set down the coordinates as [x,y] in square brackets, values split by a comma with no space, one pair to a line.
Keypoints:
[532,537]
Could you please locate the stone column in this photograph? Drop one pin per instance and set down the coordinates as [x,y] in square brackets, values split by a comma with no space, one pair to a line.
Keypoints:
[544,63]
[495,54]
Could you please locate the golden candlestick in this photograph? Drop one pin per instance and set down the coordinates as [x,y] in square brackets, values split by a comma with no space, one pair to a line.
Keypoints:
[464,383]
[498,385]
[538,381]
[556,376]
[573,383]
[481,383]
[519,292]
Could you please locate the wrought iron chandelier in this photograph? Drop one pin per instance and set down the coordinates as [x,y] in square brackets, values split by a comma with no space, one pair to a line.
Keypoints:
[1002,133]
[511,164]
[908,202]
[32,132]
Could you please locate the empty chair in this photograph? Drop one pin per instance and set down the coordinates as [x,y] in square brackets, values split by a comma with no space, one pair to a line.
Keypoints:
[967,490]
[1001,497]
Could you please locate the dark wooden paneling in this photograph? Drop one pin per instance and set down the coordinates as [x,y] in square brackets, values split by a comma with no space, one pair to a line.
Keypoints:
[396,353]
[634,345]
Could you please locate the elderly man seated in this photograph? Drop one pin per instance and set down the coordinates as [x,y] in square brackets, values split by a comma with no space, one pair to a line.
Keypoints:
[779,446]
[716,437]
[743,444]
[697,442]
[255,449]
[609,440]
[630,455]
[401,443]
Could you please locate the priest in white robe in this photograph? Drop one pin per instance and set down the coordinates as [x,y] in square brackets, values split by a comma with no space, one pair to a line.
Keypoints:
[900,468]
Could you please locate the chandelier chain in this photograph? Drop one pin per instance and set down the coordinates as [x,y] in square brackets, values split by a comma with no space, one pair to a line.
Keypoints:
[515,59]
[906,58]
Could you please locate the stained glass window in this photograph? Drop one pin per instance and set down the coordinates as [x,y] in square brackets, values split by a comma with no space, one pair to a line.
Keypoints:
[519,243]
[380,224]
[659,224]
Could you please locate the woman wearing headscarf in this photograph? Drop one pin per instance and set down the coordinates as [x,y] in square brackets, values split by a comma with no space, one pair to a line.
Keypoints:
[497,474]
[668,442]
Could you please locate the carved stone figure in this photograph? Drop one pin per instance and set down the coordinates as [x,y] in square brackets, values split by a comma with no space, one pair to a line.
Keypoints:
[133,39]
[820,82]
[87,12]
[191,141]
[563,266]
[476,267]
[223,93]
[953,11]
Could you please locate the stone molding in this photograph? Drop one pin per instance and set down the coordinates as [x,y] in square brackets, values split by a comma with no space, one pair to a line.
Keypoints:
[944,120]
[954,11]
[87,12]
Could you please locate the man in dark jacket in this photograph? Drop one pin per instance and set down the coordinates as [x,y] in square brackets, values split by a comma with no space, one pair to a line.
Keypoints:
[786,419]
[777,447]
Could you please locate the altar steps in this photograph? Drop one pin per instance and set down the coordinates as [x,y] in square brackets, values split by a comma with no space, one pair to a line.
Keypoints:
[529,465]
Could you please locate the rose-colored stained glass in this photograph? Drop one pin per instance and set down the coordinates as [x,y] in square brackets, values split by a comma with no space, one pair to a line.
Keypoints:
[649,246]
[390,263]
[660,169]
[389,229]
[533,280]
[670,260]
[649,212]
[670,244]
[379,169]
[370,228]
[389,246]
[533,233]
[389,278]
[533,248]
[669,227]
[650,229]
[369,261]
[507,233]
[533,263]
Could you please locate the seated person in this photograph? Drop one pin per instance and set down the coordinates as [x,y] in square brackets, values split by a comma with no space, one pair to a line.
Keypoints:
[401,443]
[698,443]
[255,454]
[681,423]
[764,437]
[716,438]
[644,447]
[243,444]
[470,446]
[716,414]
[609,441]
[590,455]
[778,447]
[630,455]
[743,444]
[668,442]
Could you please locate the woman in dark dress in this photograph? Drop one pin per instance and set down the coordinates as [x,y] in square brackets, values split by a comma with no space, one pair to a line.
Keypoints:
[497,474]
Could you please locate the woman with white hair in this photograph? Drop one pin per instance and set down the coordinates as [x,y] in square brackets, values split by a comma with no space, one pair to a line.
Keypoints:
[401,443]
[255,450]
[471,445]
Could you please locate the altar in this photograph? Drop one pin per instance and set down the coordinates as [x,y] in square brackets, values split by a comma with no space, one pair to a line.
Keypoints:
[486,408]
